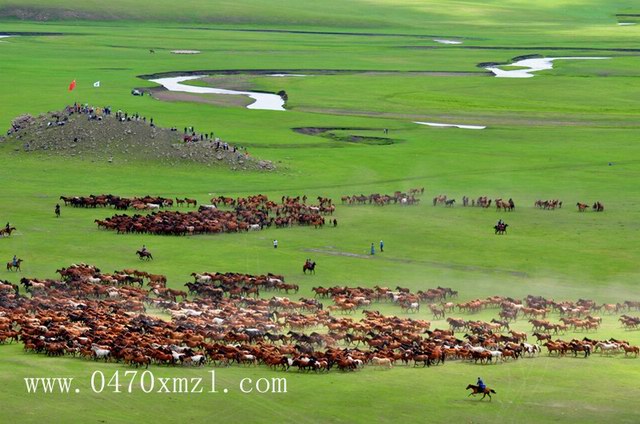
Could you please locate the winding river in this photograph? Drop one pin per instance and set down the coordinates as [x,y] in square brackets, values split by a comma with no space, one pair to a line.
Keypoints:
[532,65]
[263,101]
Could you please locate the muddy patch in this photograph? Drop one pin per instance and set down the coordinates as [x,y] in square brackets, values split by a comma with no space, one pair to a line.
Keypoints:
[330,133]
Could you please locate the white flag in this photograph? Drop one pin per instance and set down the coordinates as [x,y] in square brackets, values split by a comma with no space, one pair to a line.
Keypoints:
[96,84]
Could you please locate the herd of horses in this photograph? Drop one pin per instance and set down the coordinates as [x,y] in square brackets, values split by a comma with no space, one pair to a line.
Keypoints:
[247,214]
[101,316]
[398,197]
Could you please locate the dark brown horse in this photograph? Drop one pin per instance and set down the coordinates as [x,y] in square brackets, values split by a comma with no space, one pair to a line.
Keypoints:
[144,254]
[309,266]
[476,391]
[16,267]
[501,228]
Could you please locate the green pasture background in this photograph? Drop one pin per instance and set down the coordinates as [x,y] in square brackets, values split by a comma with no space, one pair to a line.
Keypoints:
[570,133]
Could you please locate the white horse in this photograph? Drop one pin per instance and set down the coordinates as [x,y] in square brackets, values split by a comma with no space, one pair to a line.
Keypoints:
[608,347]
[99,353]
[381,362]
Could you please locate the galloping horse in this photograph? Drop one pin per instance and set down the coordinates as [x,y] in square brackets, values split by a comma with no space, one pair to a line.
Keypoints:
[6,231]
[501,228]
[476,390]
[144,254]
[582,206]
[11,267]
[309,266]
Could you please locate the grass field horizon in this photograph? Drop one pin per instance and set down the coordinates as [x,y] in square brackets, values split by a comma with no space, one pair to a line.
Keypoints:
[569,133]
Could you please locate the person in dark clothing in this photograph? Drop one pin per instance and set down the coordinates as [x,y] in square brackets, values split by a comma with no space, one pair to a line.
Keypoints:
[57,210]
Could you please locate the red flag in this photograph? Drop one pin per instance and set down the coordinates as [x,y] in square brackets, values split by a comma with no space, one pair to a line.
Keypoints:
[72,85]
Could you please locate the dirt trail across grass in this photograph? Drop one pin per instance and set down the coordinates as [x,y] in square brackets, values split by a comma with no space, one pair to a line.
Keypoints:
[442,265]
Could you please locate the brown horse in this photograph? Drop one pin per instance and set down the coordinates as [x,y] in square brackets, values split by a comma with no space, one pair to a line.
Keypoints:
[582,206]
[476,391]
[11,267]
[193,202]
[6,232]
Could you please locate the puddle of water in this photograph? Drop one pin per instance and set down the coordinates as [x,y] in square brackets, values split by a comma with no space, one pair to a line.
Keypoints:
[263,101]
[287,75]
[464,127]
[442,41]
[533,65]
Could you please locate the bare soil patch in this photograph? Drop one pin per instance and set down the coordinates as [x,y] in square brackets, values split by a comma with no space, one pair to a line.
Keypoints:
[330,134]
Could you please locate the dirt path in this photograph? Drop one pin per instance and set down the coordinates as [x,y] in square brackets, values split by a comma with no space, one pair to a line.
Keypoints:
[434,264]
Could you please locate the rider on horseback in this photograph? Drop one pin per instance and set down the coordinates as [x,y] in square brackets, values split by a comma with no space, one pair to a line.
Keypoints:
[144,249]
[481,385]
[14,261]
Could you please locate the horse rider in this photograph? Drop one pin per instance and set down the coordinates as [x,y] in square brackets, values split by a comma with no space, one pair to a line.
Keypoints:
[6,227]
[14,261]
[481,385]
[144,249]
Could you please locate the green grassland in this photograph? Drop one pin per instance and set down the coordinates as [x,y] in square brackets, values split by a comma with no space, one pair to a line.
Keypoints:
[568,133]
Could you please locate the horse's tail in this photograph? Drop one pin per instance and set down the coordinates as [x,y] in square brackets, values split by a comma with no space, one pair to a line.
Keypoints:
[492,391]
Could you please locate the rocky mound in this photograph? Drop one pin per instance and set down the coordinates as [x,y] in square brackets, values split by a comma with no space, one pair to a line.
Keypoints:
[109,137]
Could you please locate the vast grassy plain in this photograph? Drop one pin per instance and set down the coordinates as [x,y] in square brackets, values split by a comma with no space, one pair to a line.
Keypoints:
[568,133]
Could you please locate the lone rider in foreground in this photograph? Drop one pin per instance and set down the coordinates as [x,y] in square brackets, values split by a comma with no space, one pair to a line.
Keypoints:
[14,261]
